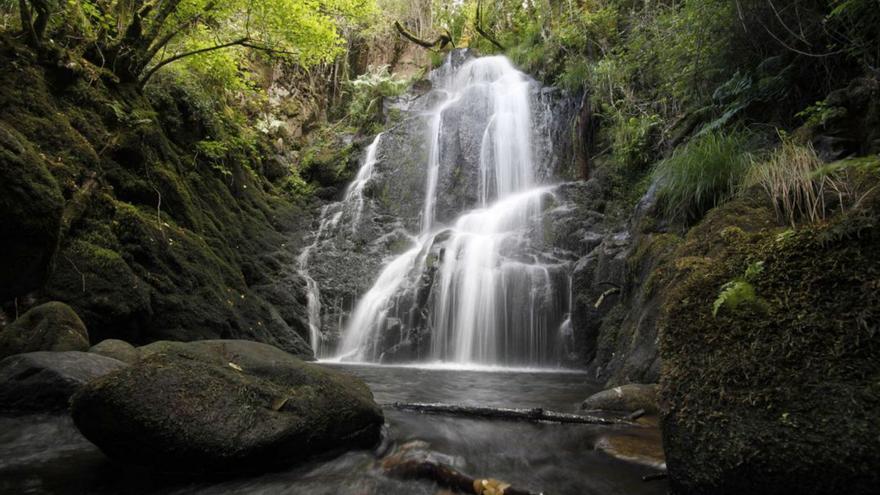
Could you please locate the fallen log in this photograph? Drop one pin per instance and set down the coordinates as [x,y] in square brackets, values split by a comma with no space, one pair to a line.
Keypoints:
[534,415]
[638,413]
[447,477]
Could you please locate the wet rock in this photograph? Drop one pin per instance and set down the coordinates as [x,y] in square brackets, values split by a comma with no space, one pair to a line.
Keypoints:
[53,326]
[44,381]
[224,405]
[643,447]
[630,397]
[116,349]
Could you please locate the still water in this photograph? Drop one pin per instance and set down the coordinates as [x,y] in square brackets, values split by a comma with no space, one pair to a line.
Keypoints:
[45,454]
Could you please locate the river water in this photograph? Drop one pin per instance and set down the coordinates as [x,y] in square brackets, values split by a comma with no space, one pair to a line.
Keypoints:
[45,454]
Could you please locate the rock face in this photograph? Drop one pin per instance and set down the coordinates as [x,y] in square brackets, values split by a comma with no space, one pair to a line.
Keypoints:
[116,349]
[629,397]
[52,326]
[44,381]
[224,405]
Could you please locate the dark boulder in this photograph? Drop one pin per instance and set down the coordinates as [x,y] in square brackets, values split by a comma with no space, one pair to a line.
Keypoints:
[224,405]
[116,349]
[44,381]
[53,326]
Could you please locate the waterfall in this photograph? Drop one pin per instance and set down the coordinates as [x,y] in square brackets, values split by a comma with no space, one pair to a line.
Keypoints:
[354,195]
[351,207]
[479,288]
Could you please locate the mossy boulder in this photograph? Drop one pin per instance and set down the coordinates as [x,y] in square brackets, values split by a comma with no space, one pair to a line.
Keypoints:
[629,397]
[224,405]
[44,381]
[30,215]
[53,326]
[116,349]
[782,396]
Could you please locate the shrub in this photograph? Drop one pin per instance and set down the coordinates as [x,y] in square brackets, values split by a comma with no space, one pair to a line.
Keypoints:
[633,139]
[702,174]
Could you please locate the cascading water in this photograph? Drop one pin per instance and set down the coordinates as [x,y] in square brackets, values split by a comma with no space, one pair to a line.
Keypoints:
[481,290]
[352,205]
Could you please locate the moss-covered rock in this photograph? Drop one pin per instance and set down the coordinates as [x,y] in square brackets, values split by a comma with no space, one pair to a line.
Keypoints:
[116,349]
[224,405]
[53,326]
[778,397]
[30,215]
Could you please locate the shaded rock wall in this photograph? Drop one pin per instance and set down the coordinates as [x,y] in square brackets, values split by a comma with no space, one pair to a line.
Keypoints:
[108,207]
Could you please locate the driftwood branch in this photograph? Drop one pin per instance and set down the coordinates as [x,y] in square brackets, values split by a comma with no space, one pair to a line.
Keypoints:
[447,477]
[440,42]
[534,415]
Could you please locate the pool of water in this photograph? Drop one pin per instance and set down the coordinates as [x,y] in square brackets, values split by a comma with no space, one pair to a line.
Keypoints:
[45,454]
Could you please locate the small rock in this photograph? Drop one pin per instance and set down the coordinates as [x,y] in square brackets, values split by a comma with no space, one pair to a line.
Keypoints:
[117,349]
[53,326]
[224,405]
[644,447]
[44,381]
[630,397]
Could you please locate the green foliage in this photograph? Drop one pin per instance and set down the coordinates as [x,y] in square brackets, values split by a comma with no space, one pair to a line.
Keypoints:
[702,174]
[740,291]
[633,140]
[817,114]
[367,92]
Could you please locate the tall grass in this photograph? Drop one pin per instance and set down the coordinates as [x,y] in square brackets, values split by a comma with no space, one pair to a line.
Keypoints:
[789,177]
[702,174]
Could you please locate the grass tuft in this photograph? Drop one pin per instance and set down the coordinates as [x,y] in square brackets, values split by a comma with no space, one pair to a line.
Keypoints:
[702,174]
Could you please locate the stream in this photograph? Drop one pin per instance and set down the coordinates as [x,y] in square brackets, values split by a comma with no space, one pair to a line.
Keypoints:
[46,454]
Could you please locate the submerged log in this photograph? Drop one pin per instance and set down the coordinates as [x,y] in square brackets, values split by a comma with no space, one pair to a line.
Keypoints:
[447,477]
[535,414]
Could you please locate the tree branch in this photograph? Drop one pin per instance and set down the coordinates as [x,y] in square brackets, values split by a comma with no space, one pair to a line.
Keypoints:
[478,25]
[440,42]
[163,63]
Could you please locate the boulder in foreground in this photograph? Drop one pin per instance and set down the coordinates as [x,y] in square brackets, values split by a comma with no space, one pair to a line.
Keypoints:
[53,326]
[44,381]
[224,405]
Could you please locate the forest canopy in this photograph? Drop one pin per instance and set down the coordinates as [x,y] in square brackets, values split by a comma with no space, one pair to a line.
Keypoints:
[134,39]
